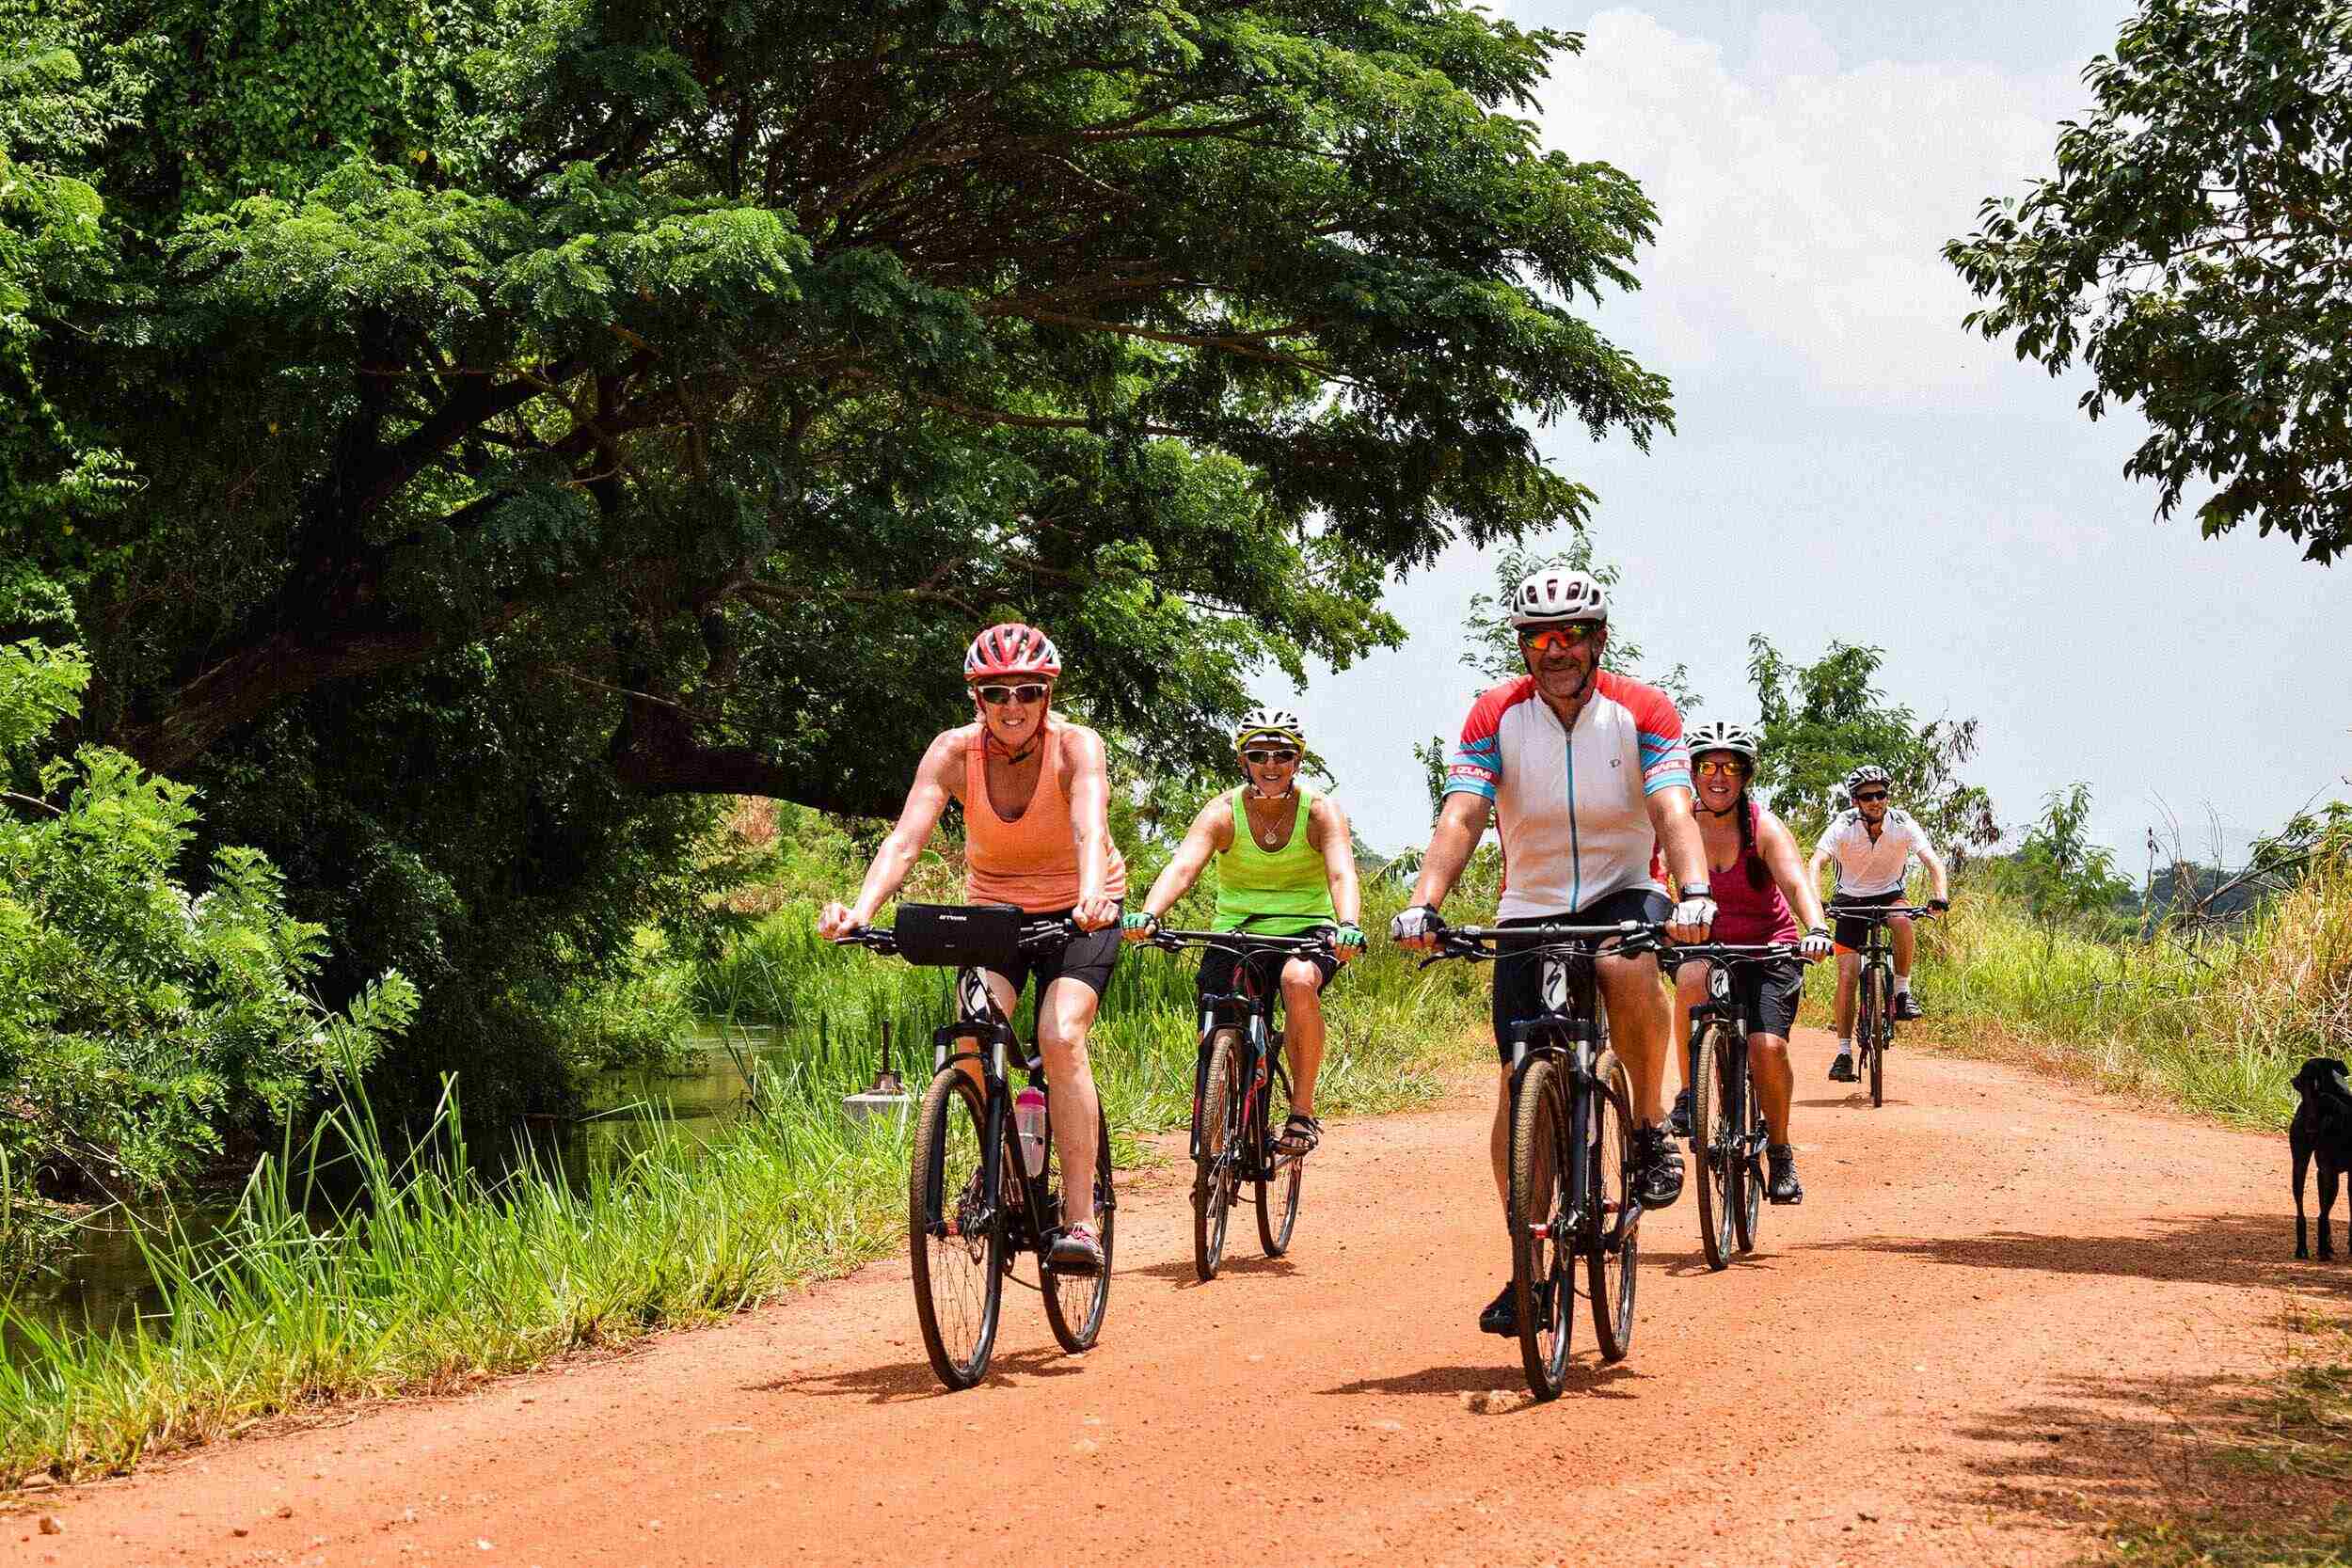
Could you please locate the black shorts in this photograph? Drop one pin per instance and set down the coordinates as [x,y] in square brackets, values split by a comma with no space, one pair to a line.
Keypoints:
[1520,980]
[1768,995]
[1217,968]
[1854,933]
[1086,957]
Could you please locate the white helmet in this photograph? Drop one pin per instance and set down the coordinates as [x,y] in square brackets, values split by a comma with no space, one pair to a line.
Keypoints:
[1722,735]
[1869,773]
[1275,722]
[1557,593]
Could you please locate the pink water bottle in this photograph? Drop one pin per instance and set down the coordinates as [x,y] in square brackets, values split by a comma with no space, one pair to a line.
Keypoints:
[1029,1119]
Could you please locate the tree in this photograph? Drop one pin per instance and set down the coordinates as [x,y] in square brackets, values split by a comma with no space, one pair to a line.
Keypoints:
[1494,648]
[786,344]
[2064,878]
[1823,720]
[2195,251]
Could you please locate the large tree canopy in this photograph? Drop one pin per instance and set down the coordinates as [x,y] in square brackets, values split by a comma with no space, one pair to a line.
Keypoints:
[2195,251]
[757,354]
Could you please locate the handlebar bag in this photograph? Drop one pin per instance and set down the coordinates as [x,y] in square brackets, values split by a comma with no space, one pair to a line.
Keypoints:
[959,936]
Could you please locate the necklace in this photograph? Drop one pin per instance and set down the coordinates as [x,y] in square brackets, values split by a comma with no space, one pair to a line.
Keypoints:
[1273,835]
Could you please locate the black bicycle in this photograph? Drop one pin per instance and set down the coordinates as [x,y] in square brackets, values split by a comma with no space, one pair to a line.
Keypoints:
[1727,1130]
[1874,1003]
[1571,1177]
[975,1203]
[1240,1080]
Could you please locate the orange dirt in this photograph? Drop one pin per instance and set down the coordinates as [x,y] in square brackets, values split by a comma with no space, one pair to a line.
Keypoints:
[1978,1338]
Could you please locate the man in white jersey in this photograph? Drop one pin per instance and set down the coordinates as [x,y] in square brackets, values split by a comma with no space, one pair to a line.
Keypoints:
[1588,781]
[1872,845]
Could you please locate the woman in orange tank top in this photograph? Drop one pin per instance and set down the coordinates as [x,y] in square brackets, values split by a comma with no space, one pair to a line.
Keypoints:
[1036,794]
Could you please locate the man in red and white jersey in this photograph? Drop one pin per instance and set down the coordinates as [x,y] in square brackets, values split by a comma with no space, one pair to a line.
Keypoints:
[1588,779]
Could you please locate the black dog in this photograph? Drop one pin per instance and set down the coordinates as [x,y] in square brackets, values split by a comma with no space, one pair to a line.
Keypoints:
[2322,1127]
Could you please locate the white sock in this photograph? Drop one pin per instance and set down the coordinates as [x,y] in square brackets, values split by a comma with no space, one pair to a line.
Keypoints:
[1902,985]
[1845,1048]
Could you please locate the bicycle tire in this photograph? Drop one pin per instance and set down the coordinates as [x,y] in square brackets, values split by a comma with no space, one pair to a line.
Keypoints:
[1613,1261]
[1542,1286]
[1214,1179]
[1747,1208]
[959,1331]
[1280,1177]
[1710,1148]
[1075,1303]
[1874,1009]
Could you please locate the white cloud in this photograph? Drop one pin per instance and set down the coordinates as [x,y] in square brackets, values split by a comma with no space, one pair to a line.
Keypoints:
[1802,202]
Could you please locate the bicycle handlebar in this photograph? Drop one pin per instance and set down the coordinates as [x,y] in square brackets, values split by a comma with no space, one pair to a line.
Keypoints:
[1038,933]
[1731,952]
[1634,937]
[1238,942]
[1879,914]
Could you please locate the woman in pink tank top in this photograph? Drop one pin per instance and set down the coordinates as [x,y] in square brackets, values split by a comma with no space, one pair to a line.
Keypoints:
[1035,790]
[1756,876]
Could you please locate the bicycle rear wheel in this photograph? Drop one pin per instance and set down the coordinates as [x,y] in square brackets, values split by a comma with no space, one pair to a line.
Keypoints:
[1748,1178]
[1614,1226]
[1711,1129]
[1216,1169]
[1876,1029]
[1075,1303]
[1542,1248]
[959,1255]
[1279,1175]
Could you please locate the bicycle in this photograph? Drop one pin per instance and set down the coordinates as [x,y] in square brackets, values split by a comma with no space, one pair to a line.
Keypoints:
[1240,1079]
[1727,1130]
[1571,1157]
[1874,1000]
[974,1203]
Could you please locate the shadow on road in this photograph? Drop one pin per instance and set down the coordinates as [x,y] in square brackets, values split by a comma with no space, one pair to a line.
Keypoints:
[2211,1249]
[1180,1272]
[913,1380]
[1586,1376]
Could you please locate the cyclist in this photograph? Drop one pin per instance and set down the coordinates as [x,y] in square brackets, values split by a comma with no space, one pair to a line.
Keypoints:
[1586,775]
[1035,791]
[1751,863]
[1285,867]
[1871,844]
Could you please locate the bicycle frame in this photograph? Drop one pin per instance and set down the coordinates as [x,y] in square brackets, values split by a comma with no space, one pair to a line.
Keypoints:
[1250,1009]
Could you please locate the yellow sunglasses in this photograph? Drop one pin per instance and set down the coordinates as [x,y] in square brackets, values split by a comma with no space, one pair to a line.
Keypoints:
[1568,634]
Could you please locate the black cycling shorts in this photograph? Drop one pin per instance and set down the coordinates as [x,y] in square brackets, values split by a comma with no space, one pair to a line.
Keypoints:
[1520,980]
[1854,933]
[1768,995]
[1086,957]
[1217,968]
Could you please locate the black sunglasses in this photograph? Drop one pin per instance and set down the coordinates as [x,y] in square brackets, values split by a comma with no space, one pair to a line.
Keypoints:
[1261,759]
[1869,796]
[997,696]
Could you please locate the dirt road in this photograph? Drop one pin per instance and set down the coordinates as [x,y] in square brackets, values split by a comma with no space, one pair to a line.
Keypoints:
[1972,1342]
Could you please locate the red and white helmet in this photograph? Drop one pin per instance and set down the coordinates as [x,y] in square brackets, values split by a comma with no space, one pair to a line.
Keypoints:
[1011,649]
[1557,593]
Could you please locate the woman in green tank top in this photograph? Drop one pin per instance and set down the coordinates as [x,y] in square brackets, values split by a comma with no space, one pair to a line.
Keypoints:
[1285,867]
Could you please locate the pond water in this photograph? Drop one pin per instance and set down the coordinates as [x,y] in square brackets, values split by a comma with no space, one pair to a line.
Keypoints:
[106,1280]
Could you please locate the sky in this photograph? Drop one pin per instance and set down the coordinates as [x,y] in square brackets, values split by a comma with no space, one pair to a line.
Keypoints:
[1849,463]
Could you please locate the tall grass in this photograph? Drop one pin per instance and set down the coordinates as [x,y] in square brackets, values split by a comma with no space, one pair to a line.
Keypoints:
[435,1273]
[2219,1027]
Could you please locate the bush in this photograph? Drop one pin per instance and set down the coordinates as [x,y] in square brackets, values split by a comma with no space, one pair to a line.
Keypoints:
[142,1025]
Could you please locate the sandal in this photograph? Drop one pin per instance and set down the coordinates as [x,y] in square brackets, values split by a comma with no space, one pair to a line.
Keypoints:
[1300,1134]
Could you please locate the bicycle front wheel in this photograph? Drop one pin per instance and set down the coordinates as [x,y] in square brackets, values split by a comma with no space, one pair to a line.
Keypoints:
[1279,1176]
[1542,1247]
[1875,1029]
[1075,1303]
[1614,1227]
[1216,1168]
[1711,1129]
[955,1231]
[1747,1120]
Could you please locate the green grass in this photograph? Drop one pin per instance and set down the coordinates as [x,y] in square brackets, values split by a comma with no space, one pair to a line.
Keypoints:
[2283,1465]
[436,1273]
[2218,1028]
